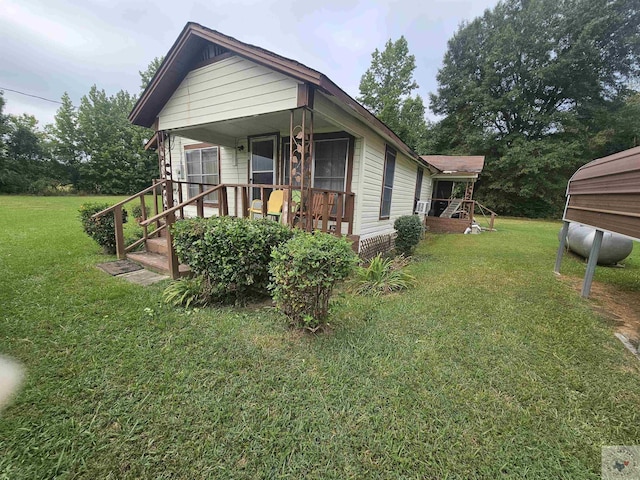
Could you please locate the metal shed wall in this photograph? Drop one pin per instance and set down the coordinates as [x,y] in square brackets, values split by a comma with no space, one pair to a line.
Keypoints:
[605,194]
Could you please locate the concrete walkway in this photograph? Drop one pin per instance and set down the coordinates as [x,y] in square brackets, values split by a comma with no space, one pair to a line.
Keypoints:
[131,272]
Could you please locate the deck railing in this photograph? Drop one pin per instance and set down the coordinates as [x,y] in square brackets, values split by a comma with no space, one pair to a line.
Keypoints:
[468,210]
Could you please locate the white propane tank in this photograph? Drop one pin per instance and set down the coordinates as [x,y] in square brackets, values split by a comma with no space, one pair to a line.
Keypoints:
[614,249]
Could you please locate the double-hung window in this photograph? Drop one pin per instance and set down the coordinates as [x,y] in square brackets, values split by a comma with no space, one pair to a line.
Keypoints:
[203,167]
[387,183]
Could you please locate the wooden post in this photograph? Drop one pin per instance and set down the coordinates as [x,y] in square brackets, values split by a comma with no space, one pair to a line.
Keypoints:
[264,203]
[325,211]
[173,258]
[350,202]
[180,199]
[223,204]
[245,201]
[235,201]
[155,202]
[591,264]
[339,217]
[169,193]
[561,247]
[200,203]
[117,213]
[144,217]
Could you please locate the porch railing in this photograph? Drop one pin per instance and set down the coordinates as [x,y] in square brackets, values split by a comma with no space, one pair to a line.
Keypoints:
[321,209]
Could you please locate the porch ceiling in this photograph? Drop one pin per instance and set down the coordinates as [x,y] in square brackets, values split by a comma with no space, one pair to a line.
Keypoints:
[228,132]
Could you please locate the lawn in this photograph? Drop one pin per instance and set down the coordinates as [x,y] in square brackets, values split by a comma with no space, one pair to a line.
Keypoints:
[489,368]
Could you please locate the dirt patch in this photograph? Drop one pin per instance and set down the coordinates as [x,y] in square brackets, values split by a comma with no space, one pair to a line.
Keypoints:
[620,308]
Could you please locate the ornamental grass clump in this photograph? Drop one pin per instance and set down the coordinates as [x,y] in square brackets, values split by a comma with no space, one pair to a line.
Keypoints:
[382,276]
[304,272]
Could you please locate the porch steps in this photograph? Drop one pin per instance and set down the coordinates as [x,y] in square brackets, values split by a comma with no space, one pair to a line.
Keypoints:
[158,245]
[451,209]
[157,262]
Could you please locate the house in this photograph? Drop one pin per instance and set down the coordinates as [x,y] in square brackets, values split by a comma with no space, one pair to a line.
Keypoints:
[235,122]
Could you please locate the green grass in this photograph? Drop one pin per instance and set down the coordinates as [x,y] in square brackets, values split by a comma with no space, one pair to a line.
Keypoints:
[489,368]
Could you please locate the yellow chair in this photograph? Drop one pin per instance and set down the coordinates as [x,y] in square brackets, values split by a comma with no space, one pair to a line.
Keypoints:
[274,205]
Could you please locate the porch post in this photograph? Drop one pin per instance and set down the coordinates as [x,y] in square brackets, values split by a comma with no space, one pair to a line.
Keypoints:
[290,216]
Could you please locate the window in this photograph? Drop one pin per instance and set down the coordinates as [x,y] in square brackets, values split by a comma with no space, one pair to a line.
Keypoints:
[387,183]
[416,196]
[329,168]
[203,167]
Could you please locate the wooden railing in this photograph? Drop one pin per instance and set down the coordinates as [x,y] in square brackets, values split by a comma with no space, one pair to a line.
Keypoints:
[121,249]
[468,210]
[319,209]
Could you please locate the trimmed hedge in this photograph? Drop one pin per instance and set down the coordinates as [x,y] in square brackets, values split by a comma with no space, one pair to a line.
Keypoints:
[409,228]
[304,271]
[231,254]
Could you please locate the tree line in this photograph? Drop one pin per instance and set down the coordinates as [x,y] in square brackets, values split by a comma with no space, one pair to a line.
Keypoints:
[91,148]
[539,87]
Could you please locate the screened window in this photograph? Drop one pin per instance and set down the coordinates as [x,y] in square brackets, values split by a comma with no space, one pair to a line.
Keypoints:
[387,183]
[203,167]
[329,167]
[416,196]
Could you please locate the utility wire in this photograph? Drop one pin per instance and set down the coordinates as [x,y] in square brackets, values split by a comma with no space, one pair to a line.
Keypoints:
[30,95]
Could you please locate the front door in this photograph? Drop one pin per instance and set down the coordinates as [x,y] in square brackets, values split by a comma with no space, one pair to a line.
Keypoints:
[262,164]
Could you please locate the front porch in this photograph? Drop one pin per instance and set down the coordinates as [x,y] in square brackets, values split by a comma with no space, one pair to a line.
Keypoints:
[294,166]
[313,209]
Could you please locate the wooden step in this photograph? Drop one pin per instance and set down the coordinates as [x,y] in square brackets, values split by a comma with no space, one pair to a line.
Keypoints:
[157,245]
[157,262]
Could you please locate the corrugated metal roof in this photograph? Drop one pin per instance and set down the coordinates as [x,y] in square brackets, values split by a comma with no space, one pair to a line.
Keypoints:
[617,173]
[455,163]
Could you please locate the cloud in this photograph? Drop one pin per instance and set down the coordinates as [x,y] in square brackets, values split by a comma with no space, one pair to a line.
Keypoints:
[52,46]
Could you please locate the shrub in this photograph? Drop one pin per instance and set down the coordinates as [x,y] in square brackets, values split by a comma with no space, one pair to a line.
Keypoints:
[230,254]
[101,229]
[383,275]
[304,272]
[409,228]
[136,211]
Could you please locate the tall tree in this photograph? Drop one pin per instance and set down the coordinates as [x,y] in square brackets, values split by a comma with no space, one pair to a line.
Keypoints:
[63,135]
[27,166]
[147,75]
[386,89]
[538,71]
[115,159]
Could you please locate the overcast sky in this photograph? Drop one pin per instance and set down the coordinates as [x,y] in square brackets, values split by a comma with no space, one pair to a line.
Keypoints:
[48,47]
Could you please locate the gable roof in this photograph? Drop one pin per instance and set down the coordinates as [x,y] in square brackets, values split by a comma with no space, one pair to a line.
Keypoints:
[183,57]
[455,163]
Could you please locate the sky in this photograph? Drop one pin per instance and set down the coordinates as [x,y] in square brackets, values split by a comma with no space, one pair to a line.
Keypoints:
[48,47]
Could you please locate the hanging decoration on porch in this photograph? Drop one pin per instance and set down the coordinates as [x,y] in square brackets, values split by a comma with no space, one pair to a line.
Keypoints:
[164,159]
[300,158]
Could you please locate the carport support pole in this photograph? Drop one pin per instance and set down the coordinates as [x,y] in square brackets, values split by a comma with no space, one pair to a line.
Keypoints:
[561,247]
[591,264]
